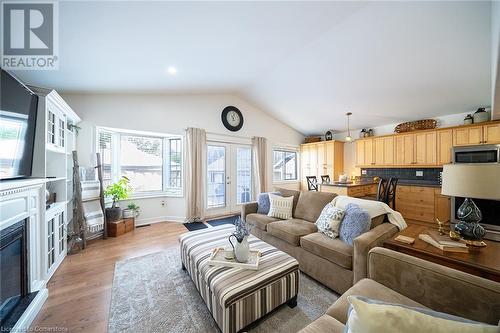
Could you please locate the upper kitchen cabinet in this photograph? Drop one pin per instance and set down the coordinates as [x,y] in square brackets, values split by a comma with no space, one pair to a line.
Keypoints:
[384,150]
[365,152]
[405,149]
[491,133]
[469,135]
[425,148]
[444,145]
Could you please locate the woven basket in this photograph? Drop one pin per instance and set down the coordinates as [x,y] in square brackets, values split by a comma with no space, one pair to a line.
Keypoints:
[311,139]
[416,125]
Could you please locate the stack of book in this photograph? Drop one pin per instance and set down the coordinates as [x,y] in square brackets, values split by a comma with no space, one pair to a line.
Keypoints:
[443,242]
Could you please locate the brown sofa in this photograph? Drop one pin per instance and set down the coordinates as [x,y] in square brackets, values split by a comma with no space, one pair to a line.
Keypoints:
[399,278]
[330,261]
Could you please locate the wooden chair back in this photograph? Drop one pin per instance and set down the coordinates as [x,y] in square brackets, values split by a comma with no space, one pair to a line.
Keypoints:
[312,183]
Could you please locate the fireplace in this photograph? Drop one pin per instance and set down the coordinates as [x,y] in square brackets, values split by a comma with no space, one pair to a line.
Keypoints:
[14,288]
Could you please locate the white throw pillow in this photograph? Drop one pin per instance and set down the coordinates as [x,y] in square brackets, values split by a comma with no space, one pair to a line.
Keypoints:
[281,207]
[328,222]
[371,316]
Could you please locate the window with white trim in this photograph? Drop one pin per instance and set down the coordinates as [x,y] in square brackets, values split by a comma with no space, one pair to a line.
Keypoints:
[284,165]
[151,161]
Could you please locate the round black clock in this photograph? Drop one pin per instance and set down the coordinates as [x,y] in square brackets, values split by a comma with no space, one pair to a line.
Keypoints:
[232,118]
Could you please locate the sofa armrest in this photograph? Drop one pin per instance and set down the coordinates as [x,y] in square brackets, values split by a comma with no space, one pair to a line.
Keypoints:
[436,286]
[364,243]
[248,208]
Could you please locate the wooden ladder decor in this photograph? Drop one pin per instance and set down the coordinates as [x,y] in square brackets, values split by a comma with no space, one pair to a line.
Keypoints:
[80,225]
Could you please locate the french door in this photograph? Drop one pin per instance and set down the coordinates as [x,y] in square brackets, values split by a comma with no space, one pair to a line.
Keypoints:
[229,177]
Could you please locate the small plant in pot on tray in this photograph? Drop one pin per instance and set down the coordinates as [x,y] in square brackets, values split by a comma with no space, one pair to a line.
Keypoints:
[120,190]
[132,210]
[241,246]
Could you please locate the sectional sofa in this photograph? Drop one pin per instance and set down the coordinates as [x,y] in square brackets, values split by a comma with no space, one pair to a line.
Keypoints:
[402,279]
[329,261]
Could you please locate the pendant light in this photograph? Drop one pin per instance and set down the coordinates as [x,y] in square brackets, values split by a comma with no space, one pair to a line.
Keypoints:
[348,138]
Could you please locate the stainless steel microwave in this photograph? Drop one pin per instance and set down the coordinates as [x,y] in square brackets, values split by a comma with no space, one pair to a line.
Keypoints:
[476,154]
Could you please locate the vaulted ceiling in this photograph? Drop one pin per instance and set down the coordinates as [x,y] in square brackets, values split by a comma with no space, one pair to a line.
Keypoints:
[306,63]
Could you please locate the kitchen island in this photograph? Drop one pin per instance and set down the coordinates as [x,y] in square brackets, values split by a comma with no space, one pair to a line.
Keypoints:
[353,189]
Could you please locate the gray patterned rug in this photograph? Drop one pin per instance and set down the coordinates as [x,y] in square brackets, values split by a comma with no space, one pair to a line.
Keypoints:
[152,294]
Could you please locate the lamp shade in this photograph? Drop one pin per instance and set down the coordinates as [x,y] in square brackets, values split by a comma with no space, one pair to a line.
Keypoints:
[476,181]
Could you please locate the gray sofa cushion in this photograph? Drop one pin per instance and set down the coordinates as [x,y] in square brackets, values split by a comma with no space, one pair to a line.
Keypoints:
[311,204]
[260,220]
[290,231]
[333,250]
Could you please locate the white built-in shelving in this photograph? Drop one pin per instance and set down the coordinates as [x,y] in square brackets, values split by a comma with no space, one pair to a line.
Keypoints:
[54,143]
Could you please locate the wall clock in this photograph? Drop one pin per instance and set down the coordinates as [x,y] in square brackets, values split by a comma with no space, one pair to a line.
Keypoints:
[232,118]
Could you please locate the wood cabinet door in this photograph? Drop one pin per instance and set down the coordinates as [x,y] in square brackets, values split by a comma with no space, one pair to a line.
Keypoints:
[491,133]
[444,145]
[321,162]
[360,152]
[468,136]
[384,150]
[425,148]
[379,151]
[369,158]
[304,165]
[313,160]
[329,159]
[405,149]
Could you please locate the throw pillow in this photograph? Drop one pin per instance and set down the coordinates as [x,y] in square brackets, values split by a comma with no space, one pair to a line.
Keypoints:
[356,222]
[328,222]
[280,207]
[365,314]
[263,203]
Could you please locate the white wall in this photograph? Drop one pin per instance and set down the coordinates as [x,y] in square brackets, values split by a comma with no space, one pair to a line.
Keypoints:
[495,49]
[349,147]
[171,114]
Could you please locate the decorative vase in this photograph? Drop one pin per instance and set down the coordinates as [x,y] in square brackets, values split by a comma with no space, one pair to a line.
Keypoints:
[113,214]
[481,115]
[241,249]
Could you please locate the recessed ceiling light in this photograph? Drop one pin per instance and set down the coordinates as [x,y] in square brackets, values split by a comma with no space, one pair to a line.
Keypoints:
[172,70]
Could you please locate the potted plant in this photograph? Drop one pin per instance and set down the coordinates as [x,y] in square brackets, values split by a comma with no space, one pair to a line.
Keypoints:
[120,190]
[132,210]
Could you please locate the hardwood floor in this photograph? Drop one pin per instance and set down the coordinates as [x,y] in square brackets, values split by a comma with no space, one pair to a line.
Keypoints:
[80,290]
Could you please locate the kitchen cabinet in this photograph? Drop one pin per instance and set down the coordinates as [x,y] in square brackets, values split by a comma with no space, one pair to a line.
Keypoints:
[491,133]
[384,150]
[444,146]
[470,135]
[321,158]
[405,151]
[415,202]
[425,148]
[365,152]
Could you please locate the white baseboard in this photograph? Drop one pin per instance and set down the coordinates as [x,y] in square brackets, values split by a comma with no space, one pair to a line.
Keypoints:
[24,323]
[150,220]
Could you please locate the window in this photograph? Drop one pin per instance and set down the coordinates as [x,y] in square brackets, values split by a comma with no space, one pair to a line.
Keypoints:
[284,165]
[152,162]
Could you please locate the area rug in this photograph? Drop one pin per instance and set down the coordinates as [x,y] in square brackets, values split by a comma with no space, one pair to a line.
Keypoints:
[195,226]
[153,294]
[224,220]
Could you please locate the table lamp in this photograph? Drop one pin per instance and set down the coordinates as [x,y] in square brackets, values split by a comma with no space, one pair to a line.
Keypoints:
[471,181]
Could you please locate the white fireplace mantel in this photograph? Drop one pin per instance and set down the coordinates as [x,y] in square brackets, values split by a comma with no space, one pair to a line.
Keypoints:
[19,200]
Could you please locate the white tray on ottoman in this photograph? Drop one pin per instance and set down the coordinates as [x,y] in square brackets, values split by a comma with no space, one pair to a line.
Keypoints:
[237,297]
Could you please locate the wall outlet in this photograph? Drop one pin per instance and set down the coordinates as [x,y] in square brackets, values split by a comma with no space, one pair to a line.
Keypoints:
[163,203]
[363,172]
[419,173]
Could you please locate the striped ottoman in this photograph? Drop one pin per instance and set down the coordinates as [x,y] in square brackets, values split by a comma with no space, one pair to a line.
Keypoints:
[237,297]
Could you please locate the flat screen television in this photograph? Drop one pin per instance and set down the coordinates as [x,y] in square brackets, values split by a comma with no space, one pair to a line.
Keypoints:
[18,107]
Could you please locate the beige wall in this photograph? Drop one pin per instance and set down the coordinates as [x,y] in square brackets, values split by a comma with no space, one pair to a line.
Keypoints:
[172,114]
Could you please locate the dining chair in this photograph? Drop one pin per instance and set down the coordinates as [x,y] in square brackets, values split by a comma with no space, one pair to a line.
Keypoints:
[312,183]
[325,179]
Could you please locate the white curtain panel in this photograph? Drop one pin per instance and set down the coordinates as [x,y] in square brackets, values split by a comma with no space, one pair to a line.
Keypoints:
[259,158]
[196,152]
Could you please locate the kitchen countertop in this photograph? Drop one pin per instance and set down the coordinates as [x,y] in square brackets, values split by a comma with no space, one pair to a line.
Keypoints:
[353,184]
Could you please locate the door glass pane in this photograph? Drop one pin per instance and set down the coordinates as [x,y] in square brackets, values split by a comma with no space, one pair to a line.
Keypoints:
[243,175]
[216,176]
